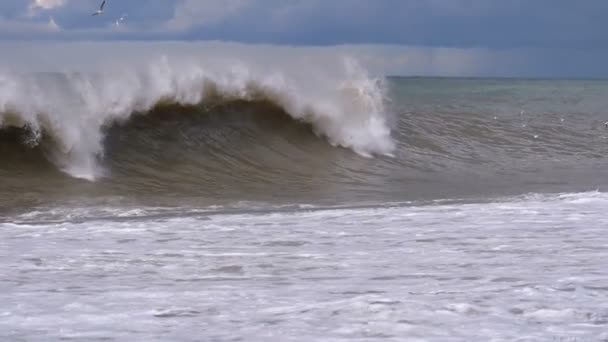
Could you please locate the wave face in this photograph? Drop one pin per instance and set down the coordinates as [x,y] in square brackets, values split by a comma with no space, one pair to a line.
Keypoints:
[68,111]
[223,127]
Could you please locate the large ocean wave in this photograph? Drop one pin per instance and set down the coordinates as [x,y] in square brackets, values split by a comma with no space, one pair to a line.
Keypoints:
[205,125]
[69,112]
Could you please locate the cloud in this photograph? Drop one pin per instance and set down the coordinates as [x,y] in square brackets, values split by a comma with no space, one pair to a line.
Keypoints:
[37,5]
[47,4]
[474,30]
[447,23]
[196,13]
[439,23]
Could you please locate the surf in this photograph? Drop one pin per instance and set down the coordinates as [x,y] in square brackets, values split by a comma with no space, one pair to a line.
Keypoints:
[69,111]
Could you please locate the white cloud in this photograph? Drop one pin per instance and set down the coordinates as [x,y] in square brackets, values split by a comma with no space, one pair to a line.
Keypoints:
[191,13]
[38,5]
[47,4]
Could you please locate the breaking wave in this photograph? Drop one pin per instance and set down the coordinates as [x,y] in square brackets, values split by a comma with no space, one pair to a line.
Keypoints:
[68,114]
[215,124]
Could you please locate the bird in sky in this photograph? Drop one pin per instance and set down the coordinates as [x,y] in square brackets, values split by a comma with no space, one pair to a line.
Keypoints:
[100,10]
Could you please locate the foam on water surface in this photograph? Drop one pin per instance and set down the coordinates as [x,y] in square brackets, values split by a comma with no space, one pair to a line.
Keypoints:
[526,268]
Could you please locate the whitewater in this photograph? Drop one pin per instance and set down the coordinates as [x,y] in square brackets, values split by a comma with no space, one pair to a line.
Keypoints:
[339,100]
[228,192]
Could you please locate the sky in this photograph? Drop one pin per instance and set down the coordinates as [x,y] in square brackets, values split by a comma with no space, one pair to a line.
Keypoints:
[559,37]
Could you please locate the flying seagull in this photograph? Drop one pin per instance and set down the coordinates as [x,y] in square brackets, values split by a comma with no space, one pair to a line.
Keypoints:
[121,19]
[100,10]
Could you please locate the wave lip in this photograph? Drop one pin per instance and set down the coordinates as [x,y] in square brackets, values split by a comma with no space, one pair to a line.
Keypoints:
[66,112]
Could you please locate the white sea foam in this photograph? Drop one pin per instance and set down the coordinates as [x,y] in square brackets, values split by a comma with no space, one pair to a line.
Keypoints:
[71,103]
[395,273]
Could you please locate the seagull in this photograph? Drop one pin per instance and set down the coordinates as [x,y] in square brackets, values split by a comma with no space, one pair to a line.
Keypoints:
[121,19]
[100,10]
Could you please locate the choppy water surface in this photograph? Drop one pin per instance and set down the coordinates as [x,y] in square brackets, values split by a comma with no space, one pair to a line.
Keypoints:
[521,269]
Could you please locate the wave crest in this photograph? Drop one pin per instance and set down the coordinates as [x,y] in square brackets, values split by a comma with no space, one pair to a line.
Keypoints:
[69,110]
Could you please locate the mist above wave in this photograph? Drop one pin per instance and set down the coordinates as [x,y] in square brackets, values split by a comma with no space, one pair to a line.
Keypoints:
[68,106]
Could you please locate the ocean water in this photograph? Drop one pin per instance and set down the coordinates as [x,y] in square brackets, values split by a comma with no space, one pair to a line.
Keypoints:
[190,195]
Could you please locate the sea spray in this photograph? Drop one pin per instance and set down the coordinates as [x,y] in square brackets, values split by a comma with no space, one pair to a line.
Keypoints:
[69,109]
